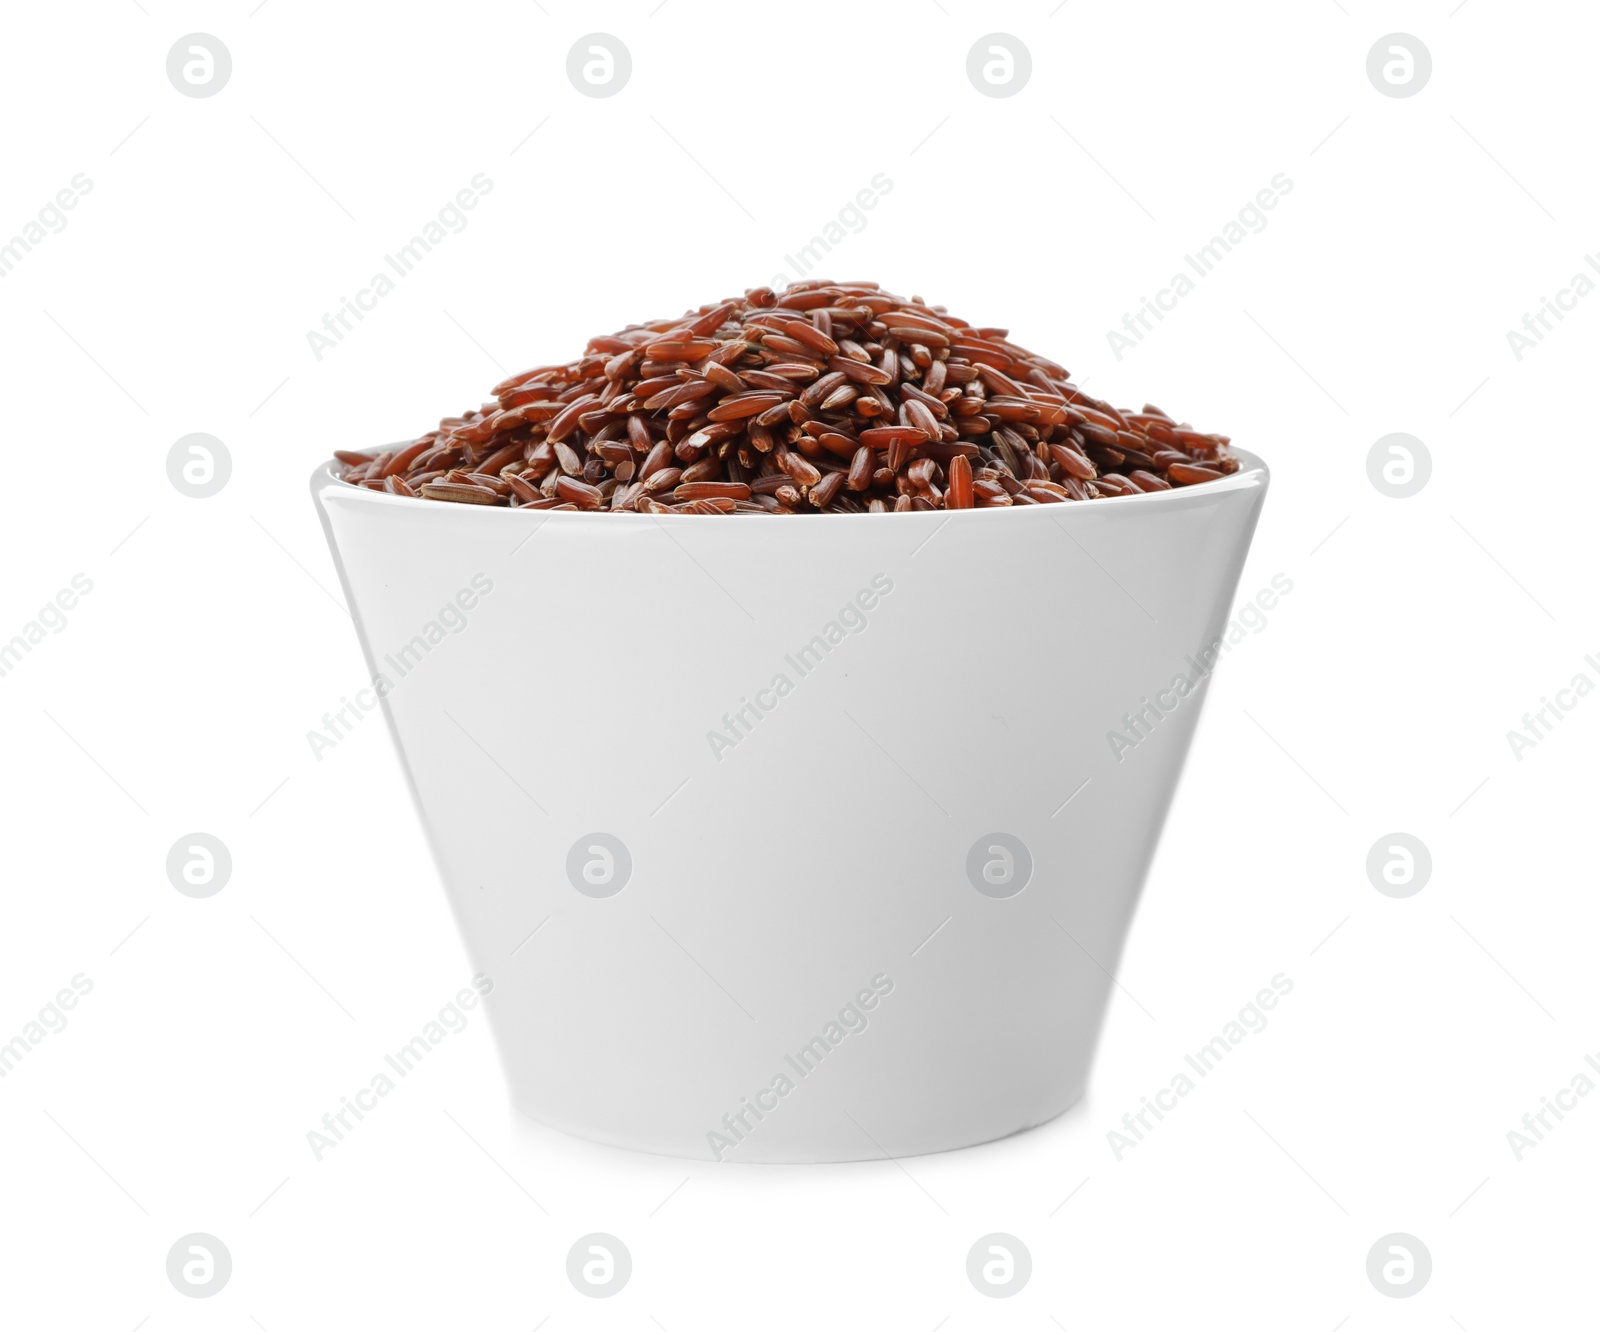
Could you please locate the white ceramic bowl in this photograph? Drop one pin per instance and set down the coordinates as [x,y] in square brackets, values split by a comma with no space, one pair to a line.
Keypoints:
[881,913]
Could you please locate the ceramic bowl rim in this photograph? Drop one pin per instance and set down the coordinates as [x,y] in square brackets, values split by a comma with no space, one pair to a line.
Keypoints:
[1252,474]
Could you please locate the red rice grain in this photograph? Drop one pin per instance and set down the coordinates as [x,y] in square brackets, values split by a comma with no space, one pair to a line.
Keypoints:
[827,397]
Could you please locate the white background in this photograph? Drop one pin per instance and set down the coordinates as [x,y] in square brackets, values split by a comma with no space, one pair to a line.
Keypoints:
[1377,697]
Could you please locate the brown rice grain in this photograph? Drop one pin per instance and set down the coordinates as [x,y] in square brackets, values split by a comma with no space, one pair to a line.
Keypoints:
[832,397]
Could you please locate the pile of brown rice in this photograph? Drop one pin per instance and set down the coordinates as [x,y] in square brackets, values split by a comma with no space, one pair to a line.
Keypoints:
[831,398]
